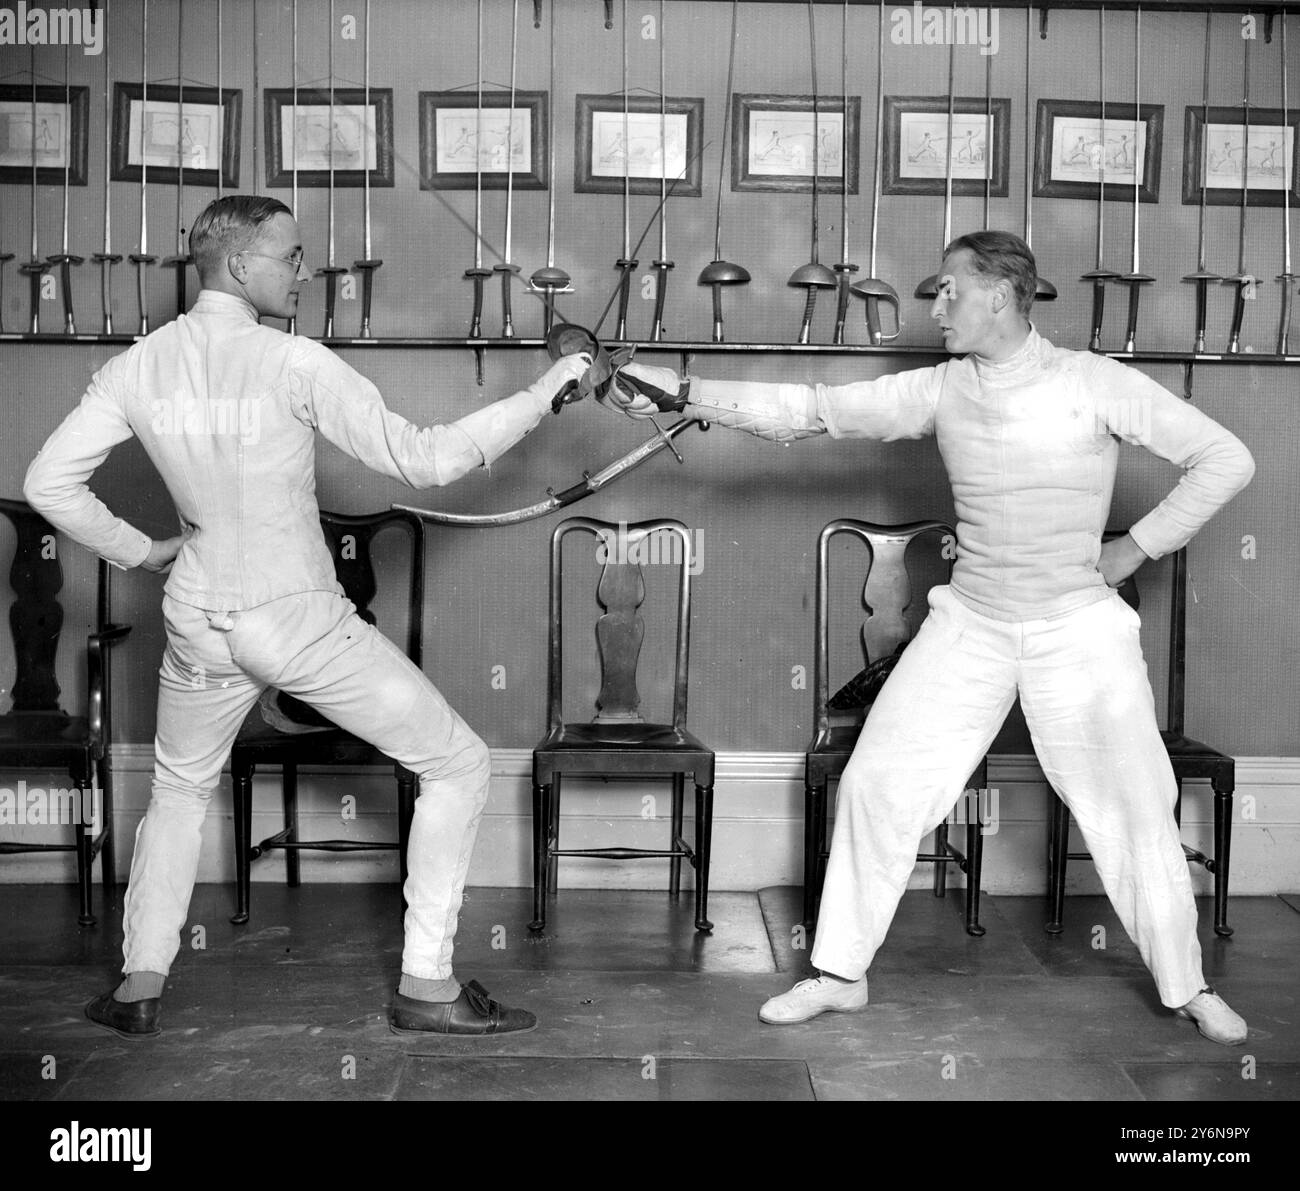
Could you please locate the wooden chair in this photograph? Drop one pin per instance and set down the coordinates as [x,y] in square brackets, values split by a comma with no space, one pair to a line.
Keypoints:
[887,594]
[350,538]
[37,733]
[1190,759]
[618,741]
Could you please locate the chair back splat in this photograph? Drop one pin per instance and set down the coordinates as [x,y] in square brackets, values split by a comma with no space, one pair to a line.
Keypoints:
[36,616]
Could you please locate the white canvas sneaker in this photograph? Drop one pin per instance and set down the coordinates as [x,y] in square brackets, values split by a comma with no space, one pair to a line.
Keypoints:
[808,998]
[1214,1018]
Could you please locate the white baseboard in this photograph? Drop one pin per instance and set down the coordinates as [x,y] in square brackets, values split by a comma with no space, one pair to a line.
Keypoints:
[757,831]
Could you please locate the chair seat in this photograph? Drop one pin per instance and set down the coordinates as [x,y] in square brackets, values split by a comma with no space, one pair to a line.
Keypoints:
[270,747]
[624,747]
[43,739]
[1191,758]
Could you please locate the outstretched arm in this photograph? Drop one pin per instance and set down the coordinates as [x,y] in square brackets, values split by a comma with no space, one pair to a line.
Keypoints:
[348,410]
[893,407]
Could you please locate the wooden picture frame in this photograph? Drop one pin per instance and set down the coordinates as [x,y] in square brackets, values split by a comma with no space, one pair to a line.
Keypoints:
[600,158]
[916,128]
[208,132]
[1215,159]
[1074,153]
[314,128]
[58,135]
[774,135]
[452,122]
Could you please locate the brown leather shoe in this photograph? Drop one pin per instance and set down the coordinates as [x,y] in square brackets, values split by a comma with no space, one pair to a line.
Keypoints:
[473,1013]
[131,1020]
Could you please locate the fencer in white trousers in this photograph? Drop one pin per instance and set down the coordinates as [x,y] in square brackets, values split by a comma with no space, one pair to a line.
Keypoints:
[1029,434]
[228,411]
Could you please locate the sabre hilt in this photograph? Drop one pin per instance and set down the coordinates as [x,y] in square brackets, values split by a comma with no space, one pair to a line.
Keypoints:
[65,261]
[1201,279]
[661,296]
[367,291]
[875,292]
[624,293]
[1242,281]
[507,272]
[4,257]
[106,261]
[1284,326]
[1098,277]
[180,264]
[331,273]
[476,275]
[716,274]
[35,270]
[1135,282]
[845,271]
[139,260]
[549,281]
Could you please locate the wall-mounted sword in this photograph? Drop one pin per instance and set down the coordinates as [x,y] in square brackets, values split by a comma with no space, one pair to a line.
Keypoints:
[143,257]
[872,288]
[1045,291]
[182,260]
[1202,277]
[663,264]
[479,271]
[845,269]
[1245,282]
[550,281]
[506,267]
[65,259]
[107,258]
[1286,277]
[719,272]
[332,269]
[1099,275]
[928,290]
[814,275]
[368,264]
[1134,278]
[625,263]
[35,268]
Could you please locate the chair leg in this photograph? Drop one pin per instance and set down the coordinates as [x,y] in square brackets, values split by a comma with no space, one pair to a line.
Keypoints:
[553,836]
[703,849]
[541,841]
[243,790]
[1060,840]
[675,864]
[289,795]
[814,813]
[107,849]
[974,862]
[1223,792]
[941,865]
[85,875]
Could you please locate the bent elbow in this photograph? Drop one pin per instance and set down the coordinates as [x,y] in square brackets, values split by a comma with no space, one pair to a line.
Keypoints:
[1245,467]
[36,491]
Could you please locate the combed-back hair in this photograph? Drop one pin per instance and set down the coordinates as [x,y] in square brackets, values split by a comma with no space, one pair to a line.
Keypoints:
[1001,256]
[228,224]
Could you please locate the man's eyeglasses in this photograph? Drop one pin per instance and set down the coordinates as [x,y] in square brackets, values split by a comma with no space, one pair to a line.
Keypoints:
[295,260]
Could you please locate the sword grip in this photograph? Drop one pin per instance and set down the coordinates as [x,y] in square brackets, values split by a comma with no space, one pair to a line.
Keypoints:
[367,291]
[4,257]
[180,288]
[841,309]
[1284,326]
[1238,315]
[106,291]
[624,294]
[1098,313]
[331,291]
[34,288]
[476,319]
[808,307]
[507,318]
[661,296]
[1202,289]
[65,284]
[1134,297]
[717,312]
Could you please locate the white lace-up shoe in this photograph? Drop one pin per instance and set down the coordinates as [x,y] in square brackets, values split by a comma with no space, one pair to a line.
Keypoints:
[1214,1018]
[808,998]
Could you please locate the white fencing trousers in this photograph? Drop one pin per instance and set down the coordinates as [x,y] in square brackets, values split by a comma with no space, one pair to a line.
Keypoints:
[1087,700]
[313,646]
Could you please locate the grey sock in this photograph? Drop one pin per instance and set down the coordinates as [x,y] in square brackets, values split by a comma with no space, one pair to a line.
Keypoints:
[429,990]
[140,986]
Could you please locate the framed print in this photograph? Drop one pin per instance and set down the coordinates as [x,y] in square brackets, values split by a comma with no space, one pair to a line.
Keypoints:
[319,134]
[173,133]
[1074,154]
[1214,157]
[917,148]
[611,145]
[461,142]
[773,144]
[56,138]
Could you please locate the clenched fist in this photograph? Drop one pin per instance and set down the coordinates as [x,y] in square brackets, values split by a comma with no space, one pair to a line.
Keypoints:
[641,391]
